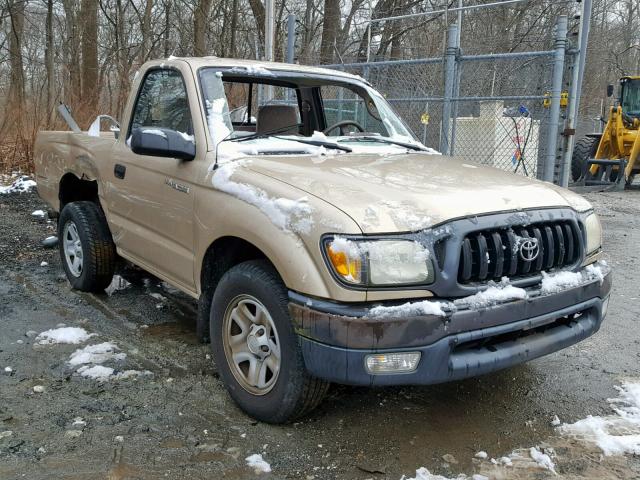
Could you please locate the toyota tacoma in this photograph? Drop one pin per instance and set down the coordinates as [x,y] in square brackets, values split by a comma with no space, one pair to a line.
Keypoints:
[323,242]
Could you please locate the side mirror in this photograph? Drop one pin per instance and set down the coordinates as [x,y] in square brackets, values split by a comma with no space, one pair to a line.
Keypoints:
[609,90]
[162,142]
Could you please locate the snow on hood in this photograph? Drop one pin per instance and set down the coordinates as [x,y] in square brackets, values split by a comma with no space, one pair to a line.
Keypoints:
[289,215]
[393,190]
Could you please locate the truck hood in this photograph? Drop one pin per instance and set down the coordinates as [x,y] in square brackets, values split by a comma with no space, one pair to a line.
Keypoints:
[411,191]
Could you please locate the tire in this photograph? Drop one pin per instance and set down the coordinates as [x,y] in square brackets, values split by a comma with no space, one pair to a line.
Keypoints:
[284,396]
[584,149]
[82,225]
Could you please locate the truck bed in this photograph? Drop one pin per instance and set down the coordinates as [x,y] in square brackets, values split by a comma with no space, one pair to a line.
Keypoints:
[57,153]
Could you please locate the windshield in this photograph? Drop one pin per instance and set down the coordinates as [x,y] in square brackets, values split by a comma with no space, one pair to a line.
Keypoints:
[253,104]
[631,97]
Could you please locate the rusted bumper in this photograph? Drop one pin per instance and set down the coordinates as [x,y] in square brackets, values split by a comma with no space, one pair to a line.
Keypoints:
[336,338]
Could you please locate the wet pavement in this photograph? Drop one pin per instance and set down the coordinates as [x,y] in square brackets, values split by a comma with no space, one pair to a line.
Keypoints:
[180,423]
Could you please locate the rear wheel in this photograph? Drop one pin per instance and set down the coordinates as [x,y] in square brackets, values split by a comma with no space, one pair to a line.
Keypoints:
[584,149]
[255,347]
[86,248]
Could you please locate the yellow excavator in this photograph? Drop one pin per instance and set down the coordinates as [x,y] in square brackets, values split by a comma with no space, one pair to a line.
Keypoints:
[610,159]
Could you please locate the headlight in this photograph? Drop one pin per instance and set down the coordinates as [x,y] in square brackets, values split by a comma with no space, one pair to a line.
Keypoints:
[594,233]
[378,262]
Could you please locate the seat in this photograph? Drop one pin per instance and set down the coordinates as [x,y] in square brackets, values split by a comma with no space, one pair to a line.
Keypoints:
[273,117]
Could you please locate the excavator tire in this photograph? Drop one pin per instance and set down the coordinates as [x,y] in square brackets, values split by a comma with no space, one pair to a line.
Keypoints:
[584,149]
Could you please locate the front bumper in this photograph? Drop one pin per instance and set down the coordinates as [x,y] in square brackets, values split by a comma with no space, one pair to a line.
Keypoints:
[336,338]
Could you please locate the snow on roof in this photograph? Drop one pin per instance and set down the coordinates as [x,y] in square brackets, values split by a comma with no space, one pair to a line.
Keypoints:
[256,66]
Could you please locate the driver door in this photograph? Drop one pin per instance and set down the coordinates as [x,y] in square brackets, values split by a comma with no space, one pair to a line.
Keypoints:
[152,198]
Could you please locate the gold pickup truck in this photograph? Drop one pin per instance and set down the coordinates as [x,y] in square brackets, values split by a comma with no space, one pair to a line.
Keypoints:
[323,242]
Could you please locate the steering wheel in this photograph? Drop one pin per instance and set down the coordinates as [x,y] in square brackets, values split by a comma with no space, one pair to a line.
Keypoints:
[341,124]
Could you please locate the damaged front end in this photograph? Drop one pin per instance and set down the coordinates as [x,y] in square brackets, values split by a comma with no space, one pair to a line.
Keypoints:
[494,304]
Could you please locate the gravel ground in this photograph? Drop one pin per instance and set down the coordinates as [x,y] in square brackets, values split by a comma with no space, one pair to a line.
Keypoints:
[179,422]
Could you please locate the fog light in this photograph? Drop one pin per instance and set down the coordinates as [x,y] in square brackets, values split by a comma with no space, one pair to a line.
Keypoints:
[400,362]
[605,307]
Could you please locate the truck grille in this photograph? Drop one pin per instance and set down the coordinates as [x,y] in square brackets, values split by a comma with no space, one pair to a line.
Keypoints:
[491,254]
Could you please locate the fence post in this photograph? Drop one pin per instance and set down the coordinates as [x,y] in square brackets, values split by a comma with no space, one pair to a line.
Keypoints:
[560,45]
[291,38]
[574,93]
[449,84]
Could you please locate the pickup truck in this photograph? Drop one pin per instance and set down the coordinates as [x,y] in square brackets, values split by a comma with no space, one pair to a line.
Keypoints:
[323,242]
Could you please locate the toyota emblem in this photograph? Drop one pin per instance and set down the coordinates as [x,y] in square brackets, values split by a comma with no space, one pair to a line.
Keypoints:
[529,249]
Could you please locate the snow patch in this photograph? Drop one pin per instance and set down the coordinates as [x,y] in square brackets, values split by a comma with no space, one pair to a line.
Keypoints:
[187,137]
[284,213]
[22,184]
[616,434]
[258,464]
[96,354]
[117,283]
[102,373]
[252,70]
[496,293]
[542,459]
[218,128]
[409,309]
[68,335]
[38,213]
[423,474]
[155,131]
[563,280]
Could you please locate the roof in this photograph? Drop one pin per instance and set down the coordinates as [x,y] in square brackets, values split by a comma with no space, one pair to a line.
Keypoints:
[198,62]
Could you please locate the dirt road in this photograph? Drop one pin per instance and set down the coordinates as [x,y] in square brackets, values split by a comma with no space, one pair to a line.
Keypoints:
[178,421]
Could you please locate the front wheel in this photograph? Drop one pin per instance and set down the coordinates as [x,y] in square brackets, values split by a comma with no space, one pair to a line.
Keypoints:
[255,347]
[86,248]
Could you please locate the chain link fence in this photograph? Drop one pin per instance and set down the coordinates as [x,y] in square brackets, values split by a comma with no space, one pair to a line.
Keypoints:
[492,109]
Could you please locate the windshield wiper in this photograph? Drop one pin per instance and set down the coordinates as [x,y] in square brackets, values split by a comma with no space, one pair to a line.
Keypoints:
[318,143]
[268,133]
[389,141]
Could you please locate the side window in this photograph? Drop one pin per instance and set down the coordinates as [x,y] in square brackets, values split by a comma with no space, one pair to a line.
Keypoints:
[162,102]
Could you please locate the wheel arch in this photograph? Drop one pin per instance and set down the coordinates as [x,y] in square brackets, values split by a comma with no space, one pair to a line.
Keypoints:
[73,189]
[220,256]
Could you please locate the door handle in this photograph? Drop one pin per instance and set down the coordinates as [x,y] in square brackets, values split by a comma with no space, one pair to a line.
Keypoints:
[119,170]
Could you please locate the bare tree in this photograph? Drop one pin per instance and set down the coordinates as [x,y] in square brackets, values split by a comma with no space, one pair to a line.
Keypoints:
[330,30]
[200,21]
[16,81]
[89,78]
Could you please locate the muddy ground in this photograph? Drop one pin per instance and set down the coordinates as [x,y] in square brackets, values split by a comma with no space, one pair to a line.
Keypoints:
[179,422]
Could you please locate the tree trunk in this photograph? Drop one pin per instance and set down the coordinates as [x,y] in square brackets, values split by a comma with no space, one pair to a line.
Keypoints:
[146,32]
[200,20]
[330,30]
[257,7]
[234,26]
[72,87]
[48,60]
[90,84]
[167,27]
[16,78]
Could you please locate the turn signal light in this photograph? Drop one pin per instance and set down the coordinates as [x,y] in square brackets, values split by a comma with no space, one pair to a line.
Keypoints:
[399,362]
[348,267]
